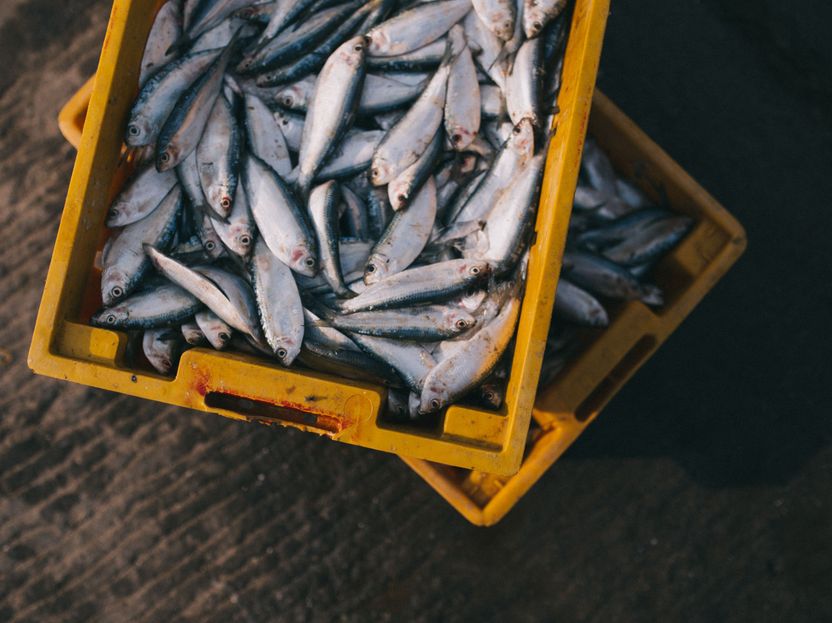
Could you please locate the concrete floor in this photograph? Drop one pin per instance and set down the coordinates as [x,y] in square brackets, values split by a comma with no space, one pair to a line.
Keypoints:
[701,494]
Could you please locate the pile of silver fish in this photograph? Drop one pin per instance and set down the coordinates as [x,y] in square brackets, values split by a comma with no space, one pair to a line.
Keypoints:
[616,237]
[345,184]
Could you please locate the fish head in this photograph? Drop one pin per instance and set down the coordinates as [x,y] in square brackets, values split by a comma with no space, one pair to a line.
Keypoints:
[533,19]
[138,132]
[116,213]
[243,242]
[220,197]
[286,348]
[376,41]
[501,23]
[474,270]
[110,317]
[471,301]
[492,395]
[167,157]
[352,52]
[290,98]
[399,193]
[460,137]
[522,139]
[378,267]
[381,172]
[434,397]
[458,320]
[114,286]
[303,261]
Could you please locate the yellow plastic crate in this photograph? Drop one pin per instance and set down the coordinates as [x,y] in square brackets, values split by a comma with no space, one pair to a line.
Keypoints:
[246,388]
[607,361]
[565,408]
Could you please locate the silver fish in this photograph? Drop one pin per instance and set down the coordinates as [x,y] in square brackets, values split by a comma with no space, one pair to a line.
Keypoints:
[279,304]
[217,332]
[424,323]
[652,242]
[162,348]
[292,127]
[579,306]
[162,306]
[265,138]
[184,127]
[410,137]
[412,361]
[167,28]
[415,28]
[323,334]
[472,362]
[353,154]
[498,16]
[605,278]
[486,48]
[237,234]
[323,209]
[510,220]
[514,155]
[331,110]
[462,104]
[140,197]
[426,57]
[538,13]
[192,333]
[218,157]
[523,84]
[159,95]
[409,181]
[405,237]
[124,263]
[356,223]
[206,290]
[353,255]
[279,219]
[296,96]
[419,285]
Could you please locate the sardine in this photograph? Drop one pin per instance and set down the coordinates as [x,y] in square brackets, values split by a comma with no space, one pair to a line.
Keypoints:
[218,158]
[217,332]
[462,104]
[404,238]
[140,197]
[279,304]
[280,221]
[167,28]
[265,138]
[158,306]
[337,93]
[323,210]
[162,348]
[416,27]
[124,263]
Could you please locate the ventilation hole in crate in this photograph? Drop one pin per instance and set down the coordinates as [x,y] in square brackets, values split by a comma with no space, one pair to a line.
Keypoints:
[269,413]
[615,379]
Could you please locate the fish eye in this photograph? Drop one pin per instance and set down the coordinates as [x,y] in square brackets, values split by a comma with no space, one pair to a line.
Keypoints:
[287,101]
[371,268]
[245,240]
[358,47]
[110,319]
[461,323]
[517,129]
[375,173]
[456,138]
[210,245]
[224,336]
[489,395]
[537,25]
[435,404]
[402,198]
[116,292]
[165,157]
[113,212]
[309,261]
[133,130]
[475,270]
[281,352]
[225,203]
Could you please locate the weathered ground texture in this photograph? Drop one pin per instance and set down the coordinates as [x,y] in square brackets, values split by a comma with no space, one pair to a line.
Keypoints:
[701,494]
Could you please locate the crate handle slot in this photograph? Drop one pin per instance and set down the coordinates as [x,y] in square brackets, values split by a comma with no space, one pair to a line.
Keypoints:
[269,413]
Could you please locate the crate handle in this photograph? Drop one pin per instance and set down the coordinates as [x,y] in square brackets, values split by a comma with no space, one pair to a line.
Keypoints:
[269,413]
